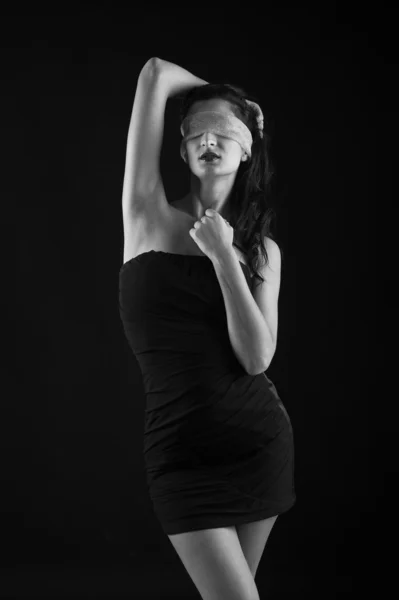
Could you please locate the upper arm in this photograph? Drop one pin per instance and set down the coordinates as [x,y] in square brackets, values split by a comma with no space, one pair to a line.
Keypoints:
[266,293]
[142,179]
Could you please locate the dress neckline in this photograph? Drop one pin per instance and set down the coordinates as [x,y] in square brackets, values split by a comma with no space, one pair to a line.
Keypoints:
[171,254]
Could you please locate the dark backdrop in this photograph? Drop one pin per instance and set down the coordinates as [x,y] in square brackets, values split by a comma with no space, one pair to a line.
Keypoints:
[75,515]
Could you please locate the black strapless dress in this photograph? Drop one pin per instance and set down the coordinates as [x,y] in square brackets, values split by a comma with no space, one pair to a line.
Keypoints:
[218,443]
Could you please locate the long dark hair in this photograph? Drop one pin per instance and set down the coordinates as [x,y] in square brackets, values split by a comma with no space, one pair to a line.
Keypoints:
[250,204]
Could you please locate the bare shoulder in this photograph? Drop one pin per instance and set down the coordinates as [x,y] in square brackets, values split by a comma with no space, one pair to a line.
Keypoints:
[181,205]
[273,254]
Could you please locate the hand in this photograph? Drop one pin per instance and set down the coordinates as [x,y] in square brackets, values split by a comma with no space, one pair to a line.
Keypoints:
[213,234]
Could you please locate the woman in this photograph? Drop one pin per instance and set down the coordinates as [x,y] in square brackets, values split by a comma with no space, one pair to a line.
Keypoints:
[218,443]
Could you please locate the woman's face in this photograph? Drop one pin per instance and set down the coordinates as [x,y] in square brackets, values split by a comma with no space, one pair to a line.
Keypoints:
[229,150]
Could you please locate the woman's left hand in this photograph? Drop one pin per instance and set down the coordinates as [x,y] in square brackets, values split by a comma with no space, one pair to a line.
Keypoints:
[213,234]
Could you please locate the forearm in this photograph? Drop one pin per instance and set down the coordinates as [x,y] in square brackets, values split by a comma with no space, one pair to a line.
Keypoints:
[249,333]
[176,79]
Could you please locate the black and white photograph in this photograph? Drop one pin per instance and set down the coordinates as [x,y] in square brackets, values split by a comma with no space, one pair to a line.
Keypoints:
[198,233]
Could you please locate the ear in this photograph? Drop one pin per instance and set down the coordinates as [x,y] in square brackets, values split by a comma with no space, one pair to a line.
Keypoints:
[183,152]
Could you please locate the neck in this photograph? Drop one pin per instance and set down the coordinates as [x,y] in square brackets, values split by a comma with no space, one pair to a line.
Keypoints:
[209,194]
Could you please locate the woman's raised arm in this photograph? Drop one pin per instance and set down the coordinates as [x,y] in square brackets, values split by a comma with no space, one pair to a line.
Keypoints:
[142,185]
[175,79]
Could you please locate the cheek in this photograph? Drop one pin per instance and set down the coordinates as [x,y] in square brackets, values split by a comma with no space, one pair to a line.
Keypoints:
[233,150]
[191,155]
[234,158]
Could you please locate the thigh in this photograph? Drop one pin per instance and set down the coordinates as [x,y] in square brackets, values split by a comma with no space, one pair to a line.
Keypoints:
[253,537]
[216,564]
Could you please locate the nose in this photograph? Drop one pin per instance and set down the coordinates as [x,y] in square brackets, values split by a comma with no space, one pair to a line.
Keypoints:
[208,139]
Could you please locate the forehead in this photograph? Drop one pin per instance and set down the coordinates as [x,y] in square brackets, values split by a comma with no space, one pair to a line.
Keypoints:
[216,104]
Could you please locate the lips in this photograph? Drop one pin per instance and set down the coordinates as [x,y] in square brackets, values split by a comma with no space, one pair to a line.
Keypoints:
[209,155]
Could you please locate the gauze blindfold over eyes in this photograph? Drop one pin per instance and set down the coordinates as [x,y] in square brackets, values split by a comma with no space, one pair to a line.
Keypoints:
[226,125]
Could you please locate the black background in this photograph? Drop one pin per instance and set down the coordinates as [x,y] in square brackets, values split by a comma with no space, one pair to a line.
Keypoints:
[75,516]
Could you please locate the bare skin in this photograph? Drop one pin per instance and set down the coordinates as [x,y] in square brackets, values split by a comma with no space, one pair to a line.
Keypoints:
[211,183]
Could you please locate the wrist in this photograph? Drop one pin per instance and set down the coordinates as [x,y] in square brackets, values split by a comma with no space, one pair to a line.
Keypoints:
[225,257]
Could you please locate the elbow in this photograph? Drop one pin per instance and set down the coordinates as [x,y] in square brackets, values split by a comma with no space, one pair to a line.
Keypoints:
[257,368]
[151,67]
[257,371]
[154,61]
[263,365]
[156,64]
